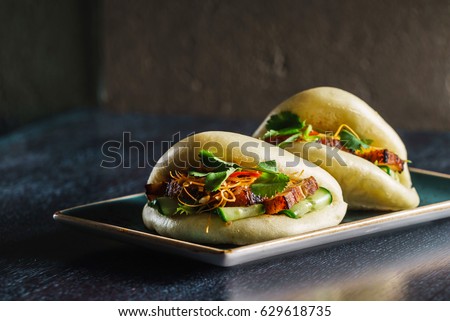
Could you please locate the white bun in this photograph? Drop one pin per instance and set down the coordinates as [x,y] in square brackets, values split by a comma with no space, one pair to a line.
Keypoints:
[364,185]
[248,151]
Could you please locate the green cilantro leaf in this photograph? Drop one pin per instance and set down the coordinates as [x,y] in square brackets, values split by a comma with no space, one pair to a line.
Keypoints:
[352,142]
[285,119]
[268,166]
[215,179]
[269,184]
[289,140]
[209,160]
[197,174]
[281,132]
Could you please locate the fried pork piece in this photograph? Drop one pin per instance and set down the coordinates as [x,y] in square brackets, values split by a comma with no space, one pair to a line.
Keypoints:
[309,186]
[291,196]
[245,197]
[276,140]
[155,190]
[383,157]
[171,189]
[333,142]
[188,193]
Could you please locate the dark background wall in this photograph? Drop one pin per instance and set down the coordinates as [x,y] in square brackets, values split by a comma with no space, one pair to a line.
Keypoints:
[46,55]
[242,57]
[236,58]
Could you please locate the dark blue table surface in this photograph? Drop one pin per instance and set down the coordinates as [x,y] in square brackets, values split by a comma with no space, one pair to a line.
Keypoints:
[55,164]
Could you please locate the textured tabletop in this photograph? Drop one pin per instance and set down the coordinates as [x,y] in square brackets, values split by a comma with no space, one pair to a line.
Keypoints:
[55,164]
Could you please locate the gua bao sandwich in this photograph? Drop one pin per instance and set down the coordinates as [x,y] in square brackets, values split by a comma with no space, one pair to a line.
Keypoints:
[342,134]
[226,188]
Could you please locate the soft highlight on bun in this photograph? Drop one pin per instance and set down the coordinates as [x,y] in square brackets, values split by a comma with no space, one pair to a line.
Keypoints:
[208,228]
[364,185]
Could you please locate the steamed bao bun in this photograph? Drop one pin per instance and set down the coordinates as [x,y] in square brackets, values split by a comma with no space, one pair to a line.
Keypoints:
[246,151]
[365,185]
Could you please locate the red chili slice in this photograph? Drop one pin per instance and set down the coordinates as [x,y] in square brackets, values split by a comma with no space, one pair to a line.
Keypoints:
[246,173]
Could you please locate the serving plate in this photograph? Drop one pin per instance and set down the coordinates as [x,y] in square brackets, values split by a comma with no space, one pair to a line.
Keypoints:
[121,218]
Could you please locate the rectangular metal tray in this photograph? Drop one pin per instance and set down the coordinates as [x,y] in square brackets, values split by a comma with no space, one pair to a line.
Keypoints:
[121,218]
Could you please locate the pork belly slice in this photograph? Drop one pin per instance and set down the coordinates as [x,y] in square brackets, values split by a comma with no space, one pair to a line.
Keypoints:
[291,196]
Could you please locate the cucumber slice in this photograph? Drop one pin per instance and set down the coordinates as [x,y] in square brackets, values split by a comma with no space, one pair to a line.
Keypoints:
[299,209]
[390,172]
[229,214]
[166,205]
[386,169]
[321,198]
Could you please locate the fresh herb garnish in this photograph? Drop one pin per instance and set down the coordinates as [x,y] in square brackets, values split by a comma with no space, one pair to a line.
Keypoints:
[271,180]
[197,174]
[289,140]
[209,160]
[215,179]
[283,120]
[269,184]
[288,124]
[352,142]
[220,170]
[281,132]
[268,166]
